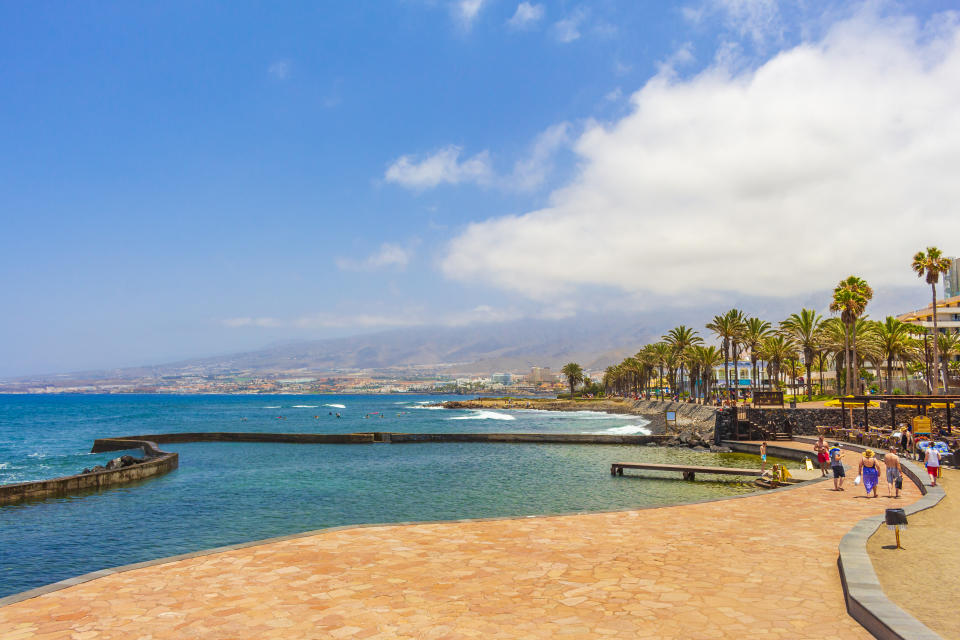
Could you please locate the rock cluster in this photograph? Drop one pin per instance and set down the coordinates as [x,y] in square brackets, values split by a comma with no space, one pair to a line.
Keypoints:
[693,439]
[116,463]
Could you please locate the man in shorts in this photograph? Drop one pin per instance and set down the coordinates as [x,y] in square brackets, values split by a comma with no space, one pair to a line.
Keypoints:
[836,464]
[894,474]
[932,460]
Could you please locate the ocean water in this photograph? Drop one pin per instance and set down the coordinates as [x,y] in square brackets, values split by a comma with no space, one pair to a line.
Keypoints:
[225,493]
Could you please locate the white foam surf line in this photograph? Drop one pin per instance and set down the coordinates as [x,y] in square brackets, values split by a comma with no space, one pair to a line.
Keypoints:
[484,415]
[336,406]
[276,407]
[582,415]
[305,406]
[627,430]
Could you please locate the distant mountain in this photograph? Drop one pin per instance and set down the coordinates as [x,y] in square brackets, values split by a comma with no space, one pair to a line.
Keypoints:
[513,346]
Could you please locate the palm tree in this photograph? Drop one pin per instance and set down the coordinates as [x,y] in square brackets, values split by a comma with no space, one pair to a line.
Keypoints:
[776,349]
[707,358]
[680,339]
[850,298]
[802,327]
[755,331]
[931,264]
[728,328]
[949,345]
[574,373]
[821,361]
[893,337]
[661,352]
[832,338]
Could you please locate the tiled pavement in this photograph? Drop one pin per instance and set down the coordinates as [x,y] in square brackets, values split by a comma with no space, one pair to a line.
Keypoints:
[755,567]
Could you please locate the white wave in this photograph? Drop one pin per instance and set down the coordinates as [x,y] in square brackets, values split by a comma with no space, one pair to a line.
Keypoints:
[3,465]
[627,430]
[276,407]
[425,407]
[581,415]
[336,406]
[305,406]
[37,455]
[484,415]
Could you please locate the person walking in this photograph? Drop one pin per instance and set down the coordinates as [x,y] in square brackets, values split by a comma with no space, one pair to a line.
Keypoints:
[891,462]
[822,456]
[932,460]
[869,472]
[763,455]
[836,464]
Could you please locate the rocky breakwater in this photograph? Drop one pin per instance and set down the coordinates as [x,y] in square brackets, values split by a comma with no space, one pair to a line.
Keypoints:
[693,425]
[116,463]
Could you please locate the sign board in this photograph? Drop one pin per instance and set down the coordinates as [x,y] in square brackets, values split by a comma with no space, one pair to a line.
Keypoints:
[670,418]
[761,398]
[922,426]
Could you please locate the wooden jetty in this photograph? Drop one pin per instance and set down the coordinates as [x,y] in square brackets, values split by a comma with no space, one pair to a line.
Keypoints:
[688,471]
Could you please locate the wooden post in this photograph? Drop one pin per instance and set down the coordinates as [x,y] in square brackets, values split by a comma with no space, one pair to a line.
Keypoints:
[843,414]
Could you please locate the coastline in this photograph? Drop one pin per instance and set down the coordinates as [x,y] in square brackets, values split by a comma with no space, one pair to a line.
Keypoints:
[689,417]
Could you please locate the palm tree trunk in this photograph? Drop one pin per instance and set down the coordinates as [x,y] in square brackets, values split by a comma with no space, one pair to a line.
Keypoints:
[854,363]
[889,376]
[846,359]
[809,364]
[937,356]
[726,365]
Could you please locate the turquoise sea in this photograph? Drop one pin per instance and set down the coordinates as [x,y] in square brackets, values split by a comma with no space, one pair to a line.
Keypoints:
[225,493]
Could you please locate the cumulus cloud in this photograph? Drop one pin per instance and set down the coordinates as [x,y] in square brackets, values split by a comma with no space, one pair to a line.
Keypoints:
[531,171]
[466,11]
[389,255]
[443,166]
[568,29]
[526,15]
[758,20]
[279,69]
[837,156]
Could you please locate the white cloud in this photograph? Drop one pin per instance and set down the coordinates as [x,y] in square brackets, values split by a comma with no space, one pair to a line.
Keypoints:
[837,156]
[443,166]
[279,69]
[389,255]
[235,323]
[526,15]
[530,172]
[466,11]
[568,29]
[758,20]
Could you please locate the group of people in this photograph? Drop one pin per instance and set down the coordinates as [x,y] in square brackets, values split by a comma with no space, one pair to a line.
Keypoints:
[868,470]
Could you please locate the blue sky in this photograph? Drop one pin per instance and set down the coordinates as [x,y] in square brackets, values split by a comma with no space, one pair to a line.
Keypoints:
[183,179]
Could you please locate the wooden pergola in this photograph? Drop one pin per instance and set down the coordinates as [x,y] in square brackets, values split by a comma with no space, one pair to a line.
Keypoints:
[922,403]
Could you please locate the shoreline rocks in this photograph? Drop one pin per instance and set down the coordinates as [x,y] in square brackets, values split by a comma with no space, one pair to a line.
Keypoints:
[116,463]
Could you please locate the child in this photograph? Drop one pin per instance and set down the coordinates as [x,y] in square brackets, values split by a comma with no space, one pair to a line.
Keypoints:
[836,463]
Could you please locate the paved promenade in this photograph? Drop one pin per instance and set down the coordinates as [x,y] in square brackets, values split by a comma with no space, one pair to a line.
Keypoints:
[756,567]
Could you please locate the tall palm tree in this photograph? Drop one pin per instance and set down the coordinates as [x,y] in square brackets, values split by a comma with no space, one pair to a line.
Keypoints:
[709,358]
[755,331]
[574,374]
[832,338]
[850,298]
[661,352]
[776,349]
[821,361]
[681,338]
[802,327]
[931,264]
[893,337]
[728,328]
[949,345]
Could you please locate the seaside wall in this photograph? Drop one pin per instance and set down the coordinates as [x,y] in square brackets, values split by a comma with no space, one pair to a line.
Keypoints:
[25,491]
[805,421]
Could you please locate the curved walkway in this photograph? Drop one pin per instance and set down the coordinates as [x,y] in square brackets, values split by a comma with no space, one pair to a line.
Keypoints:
[763,566]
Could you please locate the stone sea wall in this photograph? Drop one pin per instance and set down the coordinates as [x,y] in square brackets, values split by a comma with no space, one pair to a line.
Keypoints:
[805,421]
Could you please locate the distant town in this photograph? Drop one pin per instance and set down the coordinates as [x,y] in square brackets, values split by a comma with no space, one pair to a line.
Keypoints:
[539,380]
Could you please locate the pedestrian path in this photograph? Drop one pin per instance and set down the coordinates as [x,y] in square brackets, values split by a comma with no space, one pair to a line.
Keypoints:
[754,567]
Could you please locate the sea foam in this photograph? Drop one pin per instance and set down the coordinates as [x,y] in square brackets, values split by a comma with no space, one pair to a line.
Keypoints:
[627,430]
[484,415]
[336,406]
